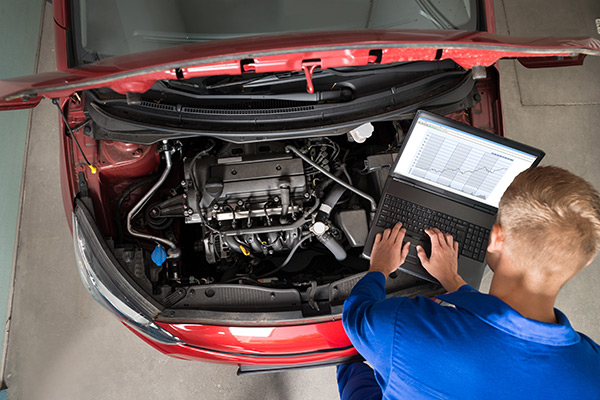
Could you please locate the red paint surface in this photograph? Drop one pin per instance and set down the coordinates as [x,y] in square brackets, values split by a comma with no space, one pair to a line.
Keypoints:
[60,11]
[263,340]
[490,19]
[68,181]
[20,104]
[282,346]
[487,114]
[137,72]
[60,47]
[118,166]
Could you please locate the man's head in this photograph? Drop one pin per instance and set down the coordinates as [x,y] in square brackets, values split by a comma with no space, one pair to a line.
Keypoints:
[549,224]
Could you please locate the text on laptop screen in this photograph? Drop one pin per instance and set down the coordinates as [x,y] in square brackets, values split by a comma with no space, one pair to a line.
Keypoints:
[460,162]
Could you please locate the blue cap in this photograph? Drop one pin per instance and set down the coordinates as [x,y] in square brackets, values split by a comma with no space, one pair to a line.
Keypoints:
[159,255]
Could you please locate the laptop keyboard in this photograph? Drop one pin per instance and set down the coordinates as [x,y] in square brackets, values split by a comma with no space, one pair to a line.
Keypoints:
[415,218]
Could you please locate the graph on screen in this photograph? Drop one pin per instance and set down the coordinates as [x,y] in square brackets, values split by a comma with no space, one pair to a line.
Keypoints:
[459,165]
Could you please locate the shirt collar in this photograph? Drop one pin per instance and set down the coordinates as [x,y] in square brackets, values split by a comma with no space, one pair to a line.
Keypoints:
[500,315]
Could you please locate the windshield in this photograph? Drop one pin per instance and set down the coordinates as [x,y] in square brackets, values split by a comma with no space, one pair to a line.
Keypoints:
[106,28]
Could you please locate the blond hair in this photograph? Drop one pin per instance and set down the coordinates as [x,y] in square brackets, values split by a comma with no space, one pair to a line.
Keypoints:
[551,221]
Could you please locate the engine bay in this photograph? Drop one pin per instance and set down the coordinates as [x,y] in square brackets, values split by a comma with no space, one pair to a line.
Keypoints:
[279,225]
[270,221]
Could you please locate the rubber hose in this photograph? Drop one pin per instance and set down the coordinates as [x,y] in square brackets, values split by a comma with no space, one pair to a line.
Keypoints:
[332,245]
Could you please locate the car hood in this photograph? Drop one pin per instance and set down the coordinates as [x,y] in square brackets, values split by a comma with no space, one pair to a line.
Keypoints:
[294,52]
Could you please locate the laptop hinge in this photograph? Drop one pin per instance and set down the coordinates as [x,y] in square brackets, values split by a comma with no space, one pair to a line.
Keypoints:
[484,209]
[409,183]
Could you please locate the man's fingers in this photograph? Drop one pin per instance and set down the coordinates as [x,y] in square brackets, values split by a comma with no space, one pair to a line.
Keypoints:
[435,240]
[422,255]
[395,231]
[395,234]
[400,237]
[449,239]
[386,234]
[399,233]
[438,238]
[441,236]
[456,247]
[376,242]
[404,253]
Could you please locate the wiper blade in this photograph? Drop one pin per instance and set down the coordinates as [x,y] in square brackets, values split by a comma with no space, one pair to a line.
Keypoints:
[183,37]
[273,79]
[344,94]
[341,72]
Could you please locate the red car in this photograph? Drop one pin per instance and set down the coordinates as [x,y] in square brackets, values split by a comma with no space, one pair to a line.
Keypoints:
[221,160]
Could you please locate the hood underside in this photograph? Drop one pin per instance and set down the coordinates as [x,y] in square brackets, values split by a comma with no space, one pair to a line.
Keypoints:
[293,52]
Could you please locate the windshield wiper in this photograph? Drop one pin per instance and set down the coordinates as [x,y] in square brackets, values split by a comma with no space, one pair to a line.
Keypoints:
[273,79]
[342,72]
[183,37]
[343,94]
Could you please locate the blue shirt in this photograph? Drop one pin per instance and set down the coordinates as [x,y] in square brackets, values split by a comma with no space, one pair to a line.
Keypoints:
[479,349]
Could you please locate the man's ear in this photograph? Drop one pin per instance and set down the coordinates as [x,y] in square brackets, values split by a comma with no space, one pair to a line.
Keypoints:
[496,239]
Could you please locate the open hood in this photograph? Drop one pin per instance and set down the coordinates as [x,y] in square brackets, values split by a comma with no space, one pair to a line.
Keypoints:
[294,52]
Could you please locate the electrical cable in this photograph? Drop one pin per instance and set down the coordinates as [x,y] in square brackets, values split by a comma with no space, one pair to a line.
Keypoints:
[287,260]
[72,134]
[371,200]
[246,278]
[207,225]
[211,145]
[345,171]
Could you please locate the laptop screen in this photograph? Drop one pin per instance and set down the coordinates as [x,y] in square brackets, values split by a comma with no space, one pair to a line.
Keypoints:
[460,162]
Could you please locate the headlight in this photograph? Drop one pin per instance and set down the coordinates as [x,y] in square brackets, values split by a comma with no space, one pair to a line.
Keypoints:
[102,279]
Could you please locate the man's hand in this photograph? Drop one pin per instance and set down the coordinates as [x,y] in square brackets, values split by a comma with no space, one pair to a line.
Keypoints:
[388,253]
[443,264]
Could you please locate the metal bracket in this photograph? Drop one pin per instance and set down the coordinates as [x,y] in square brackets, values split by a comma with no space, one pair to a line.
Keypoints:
[479,72]
[311,292]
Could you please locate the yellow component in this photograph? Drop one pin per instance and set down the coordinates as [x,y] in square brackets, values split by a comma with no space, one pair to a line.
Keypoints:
[94,170]
[244,250]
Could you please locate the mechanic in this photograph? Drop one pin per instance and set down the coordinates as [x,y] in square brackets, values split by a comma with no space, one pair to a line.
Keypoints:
[510,344]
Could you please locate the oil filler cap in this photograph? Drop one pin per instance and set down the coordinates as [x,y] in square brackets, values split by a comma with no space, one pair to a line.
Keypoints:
[318,228]
[159,255]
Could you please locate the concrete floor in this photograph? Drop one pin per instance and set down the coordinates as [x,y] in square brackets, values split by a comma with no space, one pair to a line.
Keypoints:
[21,21]
[63,345]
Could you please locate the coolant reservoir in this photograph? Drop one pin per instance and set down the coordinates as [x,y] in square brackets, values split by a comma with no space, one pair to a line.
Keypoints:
[360,134]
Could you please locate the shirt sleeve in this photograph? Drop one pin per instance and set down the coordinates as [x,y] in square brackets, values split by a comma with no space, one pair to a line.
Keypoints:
[369,320]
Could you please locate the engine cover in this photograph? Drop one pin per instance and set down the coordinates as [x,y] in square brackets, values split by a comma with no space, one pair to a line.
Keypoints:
[250,180]
[258,180]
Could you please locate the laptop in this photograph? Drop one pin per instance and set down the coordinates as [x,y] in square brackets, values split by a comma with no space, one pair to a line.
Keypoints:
[450,176]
